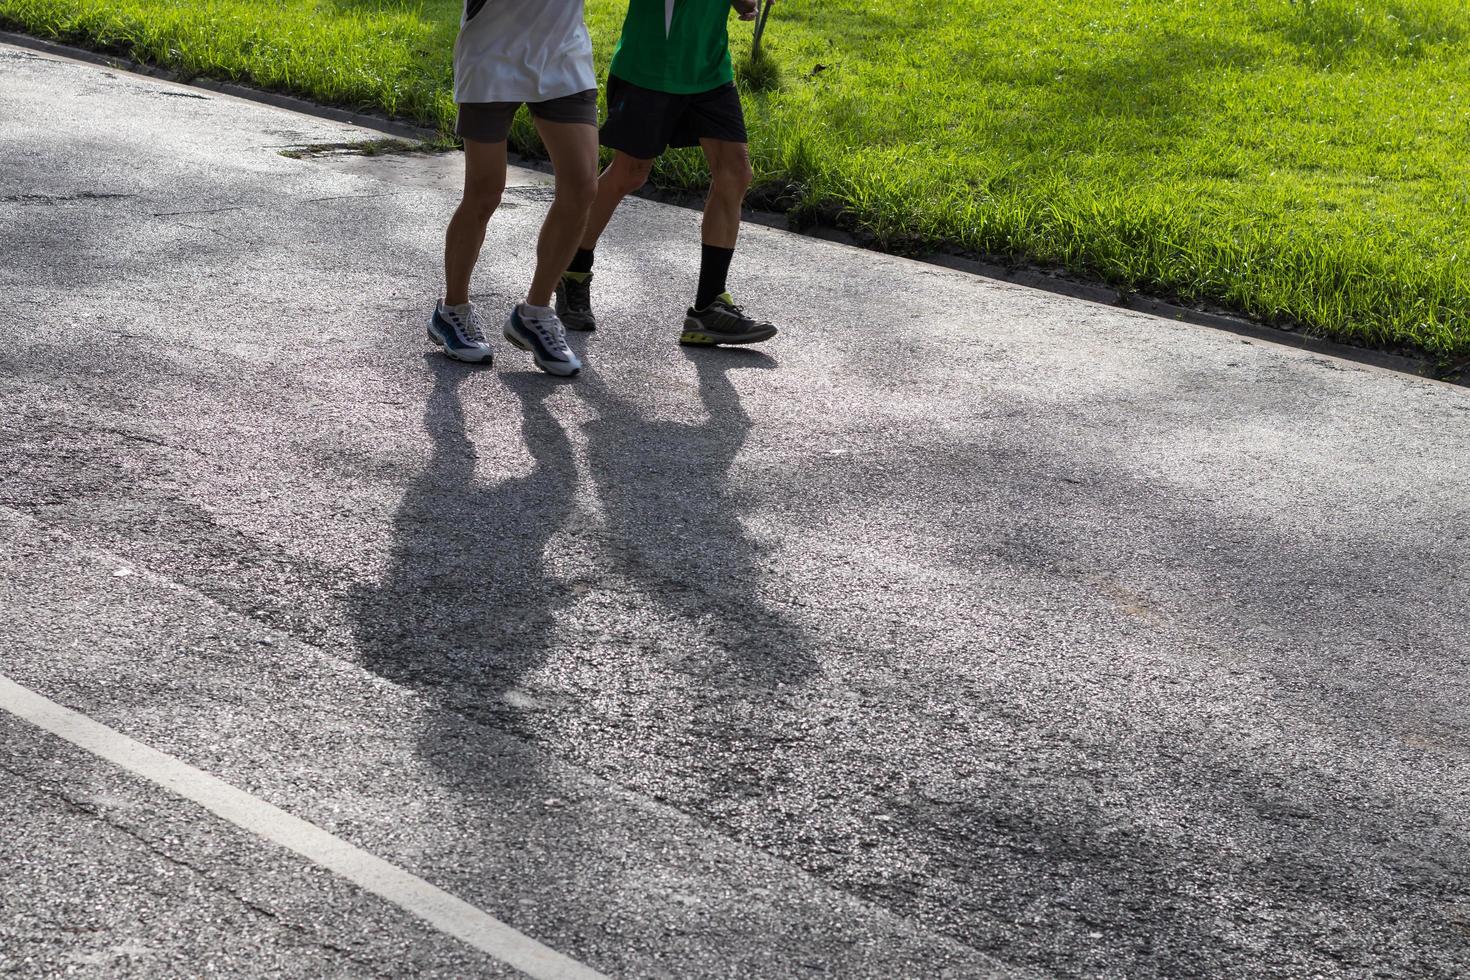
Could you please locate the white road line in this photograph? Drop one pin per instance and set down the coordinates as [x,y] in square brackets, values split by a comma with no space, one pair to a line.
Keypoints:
[411,893]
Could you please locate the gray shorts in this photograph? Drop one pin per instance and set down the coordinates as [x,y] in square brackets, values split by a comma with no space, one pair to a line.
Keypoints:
[489,122]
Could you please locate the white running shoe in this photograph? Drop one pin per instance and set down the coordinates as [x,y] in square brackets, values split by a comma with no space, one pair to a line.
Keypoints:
[461,332]
[538,329]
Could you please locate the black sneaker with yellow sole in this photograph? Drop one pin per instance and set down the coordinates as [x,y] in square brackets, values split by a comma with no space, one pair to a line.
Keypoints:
[722,322]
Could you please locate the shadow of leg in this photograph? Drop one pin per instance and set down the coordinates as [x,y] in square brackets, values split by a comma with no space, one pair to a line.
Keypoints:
[675,523]
[467,606]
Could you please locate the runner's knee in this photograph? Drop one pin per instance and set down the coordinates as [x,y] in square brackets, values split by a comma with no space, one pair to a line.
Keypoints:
[630,174]
[732,174]
[579,191]
[481,200]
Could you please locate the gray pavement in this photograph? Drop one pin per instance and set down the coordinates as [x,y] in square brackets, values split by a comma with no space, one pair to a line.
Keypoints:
[965,630]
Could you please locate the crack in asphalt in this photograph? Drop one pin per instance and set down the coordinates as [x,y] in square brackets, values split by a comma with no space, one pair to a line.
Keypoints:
[150,440]
[233,207]
[265,207]
[206,877]
[63,198]
[350,197]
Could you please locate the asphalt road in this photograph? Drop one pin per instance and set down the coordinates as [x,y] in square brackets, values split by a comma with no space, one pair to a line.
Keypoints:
[964,630]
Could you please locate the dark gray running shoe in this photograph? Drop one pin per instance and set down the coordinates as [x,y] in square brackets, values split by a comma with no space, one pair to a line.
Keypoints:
[722,322]
[574,302]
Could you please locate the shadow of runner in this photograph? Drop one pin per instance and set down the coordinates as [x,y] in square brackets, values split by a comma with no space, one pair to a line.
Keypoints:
[673,524]
[467,606]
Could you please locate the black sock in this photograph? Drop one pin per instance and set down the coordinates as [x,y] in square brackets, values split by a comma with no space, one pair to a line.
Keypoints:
[582,261]
[714,266]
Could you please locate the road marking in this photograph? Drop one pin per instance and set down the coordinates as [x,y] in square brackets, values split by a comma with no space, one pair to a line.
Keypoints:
[409,892]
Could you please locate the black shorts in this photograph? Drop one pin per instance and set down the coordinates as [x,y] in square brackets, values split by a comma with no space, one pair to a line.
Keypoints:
[489,122]
[643,123]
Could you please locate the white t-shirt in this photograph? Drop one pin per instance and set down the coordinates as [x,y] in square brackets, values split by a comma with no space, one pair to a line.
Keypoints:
[522,51]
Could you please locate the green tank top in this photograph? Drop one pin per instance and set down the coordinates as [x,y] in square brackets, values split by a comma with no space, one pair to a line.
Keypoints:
[677,46]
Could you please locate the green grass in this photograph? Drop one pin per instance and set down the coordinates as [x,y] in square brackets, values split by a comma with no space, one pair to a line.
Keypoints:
[1306,162]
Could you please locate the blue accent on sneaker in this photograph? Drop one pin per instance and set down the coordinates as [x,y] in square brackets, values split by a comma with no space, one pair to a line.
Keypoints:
[456,344]
[563,362]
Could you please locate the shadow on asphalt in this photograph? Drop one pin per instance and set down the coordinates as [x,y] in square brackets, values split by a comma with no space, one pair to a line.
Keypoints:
[470,603]
[673,528]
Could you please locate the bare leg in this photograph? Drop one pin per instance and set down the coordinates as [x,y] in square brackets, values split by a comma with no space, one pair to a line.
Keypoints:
[484,182]
[622,177]
[730,177]
[573,151]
